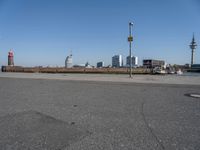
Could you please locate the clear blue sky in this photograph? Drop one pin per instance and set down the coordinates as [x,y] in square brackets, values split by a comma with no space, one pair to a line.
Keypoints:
[43,32]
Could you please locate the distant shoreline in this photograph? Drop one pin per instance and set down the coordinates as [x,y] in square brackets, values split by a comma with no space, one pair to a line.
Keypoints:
[75,70]
[84,70]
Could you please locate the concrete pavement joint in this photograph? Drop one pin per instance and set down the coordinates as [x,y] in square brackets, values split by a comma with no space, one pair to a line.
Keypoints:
[150,129]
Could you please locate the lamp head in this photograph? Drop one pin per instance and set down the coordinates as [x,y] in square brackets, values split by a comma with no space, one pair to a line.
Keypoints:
[130,23]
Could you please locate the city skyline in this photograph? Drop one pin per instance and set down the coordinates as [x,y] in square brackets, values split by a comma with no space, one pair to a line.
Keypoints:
[44,33]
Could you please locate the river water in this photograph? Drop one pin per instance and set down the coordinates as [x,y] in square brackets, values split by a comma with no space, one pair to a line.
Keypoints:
[192,74]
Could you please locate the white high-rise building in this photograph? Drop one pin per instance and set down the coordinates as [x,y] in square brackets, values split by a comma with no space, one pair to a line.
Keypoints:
[68,62]
[117,61]
[134,61]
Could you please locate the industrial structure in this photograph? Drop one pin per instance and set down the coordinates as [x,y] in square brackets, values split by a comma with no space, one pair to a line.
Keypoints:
[87,65]
[10,58]
[68,62]
[100,64]
[193,46]
[117,61]
[151,63]
[133,61]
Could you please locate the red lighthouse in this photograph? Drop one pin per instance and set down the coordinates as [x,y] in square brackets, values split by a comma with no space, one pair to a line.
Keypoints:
[10,58]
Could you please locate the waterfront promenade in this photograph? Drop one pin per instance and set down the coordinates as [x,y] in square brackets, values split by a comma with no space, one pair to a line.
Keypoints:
[122,78]
[96,112]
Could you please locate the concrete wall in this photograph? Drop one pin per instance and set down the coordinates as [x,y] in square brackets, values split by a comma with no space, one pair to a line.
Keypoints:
[74,70]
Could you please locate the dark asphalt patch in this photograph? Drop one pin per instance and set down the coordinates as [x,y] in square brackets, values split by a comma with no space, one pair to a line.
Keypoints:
[33,130]
[72,123]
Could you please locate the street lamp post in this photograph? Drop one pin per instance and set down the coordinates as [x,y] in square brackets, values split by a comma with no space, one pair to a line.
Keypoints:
[130,39]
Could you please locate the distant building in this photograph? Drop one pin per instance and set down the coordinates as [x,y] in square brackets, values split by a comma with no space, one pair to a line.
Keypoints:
[10,58]
[68,62]
[100,64]
[134,61]
[187,66]
[195,66]
[151,63]
[79,66]
[117,61]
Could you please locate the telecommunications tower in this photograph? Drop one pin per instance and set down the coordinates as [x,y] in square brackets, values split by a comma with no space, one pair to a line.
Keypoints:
[193,46]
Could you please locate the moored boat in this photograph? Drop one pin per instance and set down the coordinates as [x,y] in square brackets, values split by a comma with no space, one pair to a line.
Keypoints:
[158,70]
[179,72]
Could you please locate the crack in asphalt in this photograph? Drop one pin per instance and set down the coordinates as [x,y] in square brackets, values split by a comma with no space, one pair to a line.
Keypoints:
[150,129]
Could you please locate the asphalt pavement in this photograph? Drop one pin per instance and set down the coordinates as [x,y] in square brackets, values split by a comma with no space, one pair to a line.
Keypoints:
[88,115]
